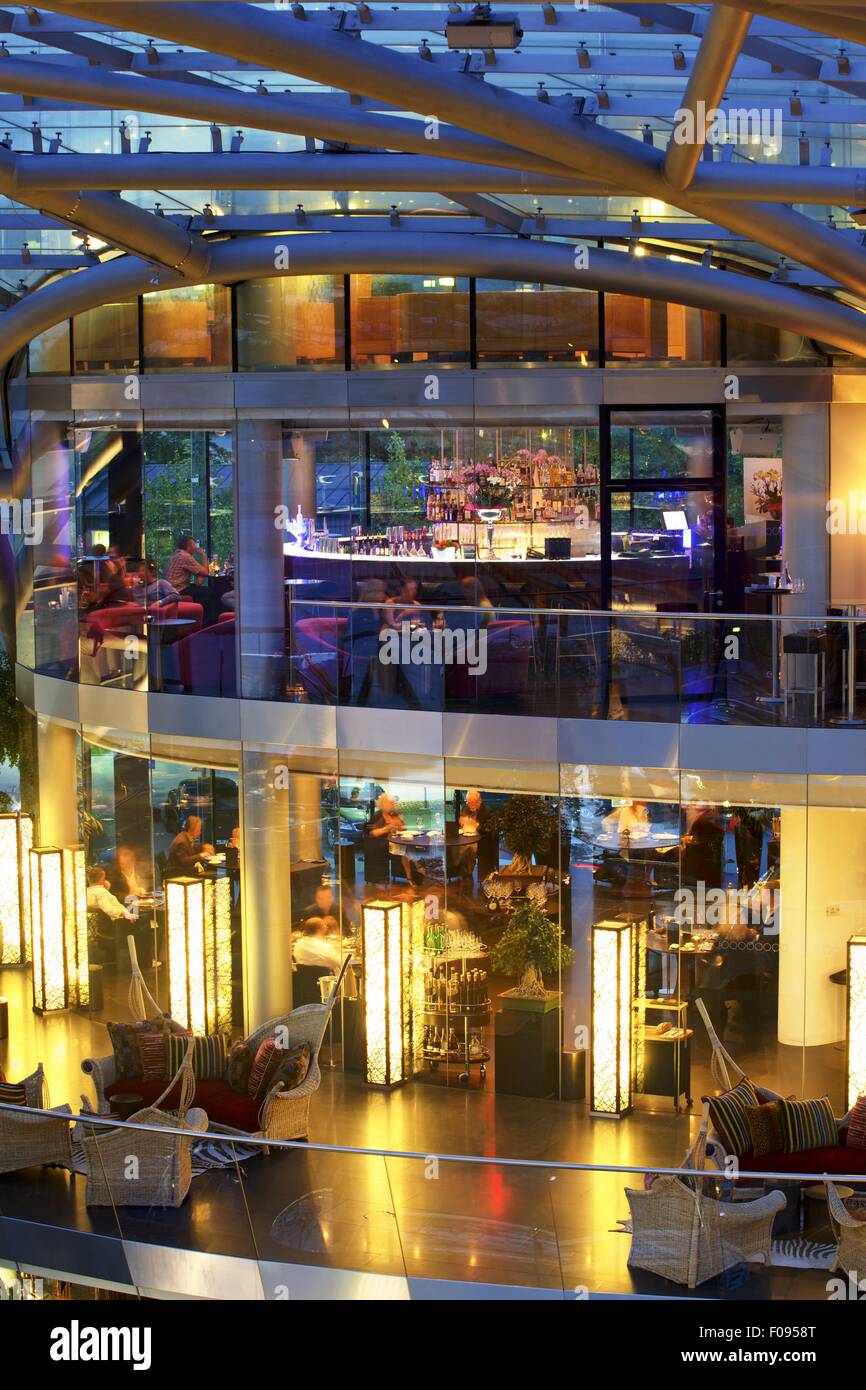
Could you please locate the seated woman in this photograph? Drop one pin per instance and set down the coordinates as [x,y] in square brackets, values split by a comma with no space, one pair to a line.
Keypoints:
[387,822]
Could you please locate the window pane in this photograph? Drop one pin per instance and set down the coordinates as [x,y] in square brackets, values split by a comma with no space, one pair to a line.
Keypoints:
[106,339]
[48,353]
[521,322]
[669,444]
[398,320]
[296,321]
[647,330]
[188,328]
[750,342]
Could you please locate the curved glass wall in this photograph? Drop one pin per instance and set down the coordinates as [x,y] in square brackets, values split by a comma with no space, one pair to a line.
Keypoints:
[736,891]
[187,329]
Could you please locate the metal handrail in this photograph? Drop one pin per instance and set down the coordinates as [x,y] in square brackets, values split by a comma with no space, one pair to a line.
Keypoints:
[483,1160]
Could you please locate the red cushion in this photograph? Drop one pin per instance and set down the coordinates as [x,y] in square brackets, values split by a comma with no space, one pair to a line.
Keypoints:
[223,1105]
[835,1159]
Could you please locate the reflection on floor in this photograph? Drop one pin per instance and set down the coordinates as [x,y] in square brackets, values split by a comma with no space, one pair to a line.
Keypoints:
[501,1224]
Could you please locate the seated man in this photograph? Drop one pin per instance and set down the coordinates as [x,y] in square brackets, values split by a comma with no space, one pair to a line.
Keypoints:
[315,947]
[101,899]
[323,905]
[185,853]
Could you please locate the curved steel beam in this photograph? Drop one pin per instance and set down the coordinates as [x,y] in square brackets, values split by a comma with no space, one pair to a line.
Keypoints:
[714,63]
[818,19]
[494,257]
[223,104]
[410,173]
[333,58]
[112,220]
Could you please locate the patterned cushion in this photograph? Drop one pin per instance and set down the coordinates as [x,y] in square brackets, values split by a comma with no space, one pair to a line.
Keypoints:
[267,1059]
[209,1055]
[153,1050]
[765,1127]
[807,1124]
[124,1040]
[728,1114]
[856,1138]
[12,1095]
[293,1068]
[239,1067]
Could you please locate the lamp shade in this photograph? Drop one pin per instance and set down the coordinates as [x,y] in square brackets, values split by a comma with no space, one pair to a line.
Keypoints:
[16,841]
[58,905]
[856,1018]
[198,917]
[387,928]
[612,991]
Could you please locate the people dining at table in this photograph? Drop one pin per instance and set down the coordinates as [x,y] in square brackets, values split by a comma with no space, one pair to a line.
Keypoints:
[477,819]
[630,819]
[186,854]
[153,591]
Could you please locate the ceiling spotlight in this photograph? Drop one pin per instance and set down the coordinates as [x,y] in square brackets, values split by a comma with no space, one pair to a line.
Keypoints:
[635,247]
[483,29]
[386,424]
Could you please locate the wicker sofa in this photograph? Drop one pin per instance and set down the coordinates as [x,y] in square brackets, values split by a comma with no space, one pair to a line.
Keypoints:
[27,1139]
[281,1115]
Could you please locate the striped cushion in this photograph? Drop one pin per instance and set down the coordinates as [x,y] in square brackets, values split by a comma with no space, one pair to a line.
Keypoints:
[12,1095]
[154,1056]
[728,1114]
[808,1124]
[209,1055]
[266,1061]
[856,1138]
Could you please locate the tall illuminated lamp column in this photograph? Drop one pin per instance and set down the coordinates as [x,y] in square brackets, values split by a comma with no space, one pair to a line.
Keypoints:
[198,922]
[392,948]
[856,1018]
[16,841]
[58,908]
[612,952]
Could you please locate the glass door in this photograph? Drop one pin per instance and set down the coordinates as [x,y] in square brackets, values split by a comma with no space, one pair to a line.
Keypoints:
[663,508]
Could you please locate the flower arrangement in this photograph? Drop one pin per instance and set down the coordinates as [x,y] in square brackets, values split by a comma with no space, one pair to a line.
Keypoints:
[489,486]
[767,491]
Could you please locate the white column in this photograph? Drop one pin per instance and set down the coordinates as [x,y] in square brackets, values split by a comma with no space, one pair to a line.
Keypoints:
[56,749]
[804,495]
[266,887]
[260,603]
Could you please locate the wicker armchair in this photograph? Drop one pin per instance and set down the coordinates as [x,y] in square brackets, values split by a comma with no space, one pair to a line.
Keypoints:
[850,1234]
[161,1174]
[286,1114]
[688,1236]
[28,1138]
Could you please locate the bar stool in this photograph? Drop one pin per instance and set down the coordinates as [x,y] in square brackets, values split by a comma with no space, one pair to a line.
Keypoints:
[811,645]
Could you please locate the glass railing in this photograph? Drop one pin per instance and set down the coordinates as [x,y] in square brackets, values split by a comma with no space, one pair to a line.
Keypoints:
[565,661]
[557,660]
[319,1220]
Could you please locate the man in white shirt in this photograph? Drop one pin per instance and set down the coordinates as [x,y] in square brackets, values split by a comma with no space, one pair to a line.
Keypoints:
[315,947]
[101,899]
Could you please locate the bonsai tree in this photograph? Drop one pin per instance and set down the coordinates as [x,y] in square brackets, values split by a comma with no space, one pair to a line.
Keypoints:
[530,944]
[527,826]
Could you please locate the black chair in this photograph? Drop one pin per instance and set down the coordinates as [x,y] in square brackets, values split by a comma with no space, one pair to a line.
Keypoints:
[160,859]
[305,984]
[377,867]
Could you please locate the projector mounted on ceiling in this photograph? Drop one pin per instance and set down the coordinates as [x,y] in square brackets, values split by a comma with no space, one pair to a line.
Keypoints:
[483,29]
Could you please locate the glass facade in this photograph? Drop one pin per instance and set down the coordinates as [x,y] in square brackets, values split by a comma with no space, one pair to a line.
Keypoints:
[306,322]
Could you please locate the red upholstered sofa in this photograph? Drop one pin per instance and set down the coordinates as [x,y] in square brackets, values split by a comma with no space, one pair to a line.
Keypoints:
[319,652]
[280,1115]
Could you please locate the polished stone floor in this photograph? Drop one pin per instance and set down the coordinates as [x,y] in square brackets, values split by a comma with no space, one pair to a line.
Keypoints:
[536,1227]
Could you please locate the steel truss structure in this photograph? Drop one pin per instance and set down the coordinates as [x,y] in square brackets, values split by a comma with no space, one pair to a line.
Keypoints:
[372,98]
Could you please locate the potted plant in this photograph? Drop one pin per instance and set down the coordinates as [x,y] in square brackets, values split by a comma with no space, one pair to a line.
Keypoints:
[527,826]
[530,945]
